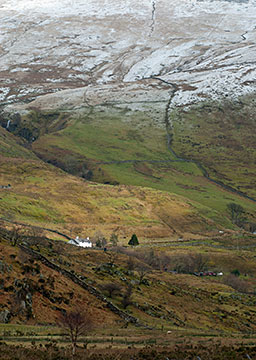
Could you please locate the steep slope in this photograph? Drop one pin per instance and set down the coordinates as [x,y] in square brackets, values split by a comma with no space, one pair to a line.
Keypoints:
[122,68]
[221,137]
[57,276]
[113,143]
[44,195]
[206,47]
[13,147]
[44,292]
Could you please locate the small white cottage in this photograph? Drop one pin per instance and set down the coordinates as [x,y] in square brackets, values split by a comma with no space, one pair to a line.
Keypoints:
[85,243]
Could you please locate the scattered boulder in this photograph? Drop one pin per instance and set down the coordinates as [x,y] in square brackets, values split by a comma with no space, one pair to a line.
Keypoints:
[5,316]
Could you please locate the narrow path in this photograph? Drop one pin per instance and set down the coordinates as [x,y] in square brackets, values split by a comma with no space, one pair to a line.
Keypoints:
[153,18]
[192,243]
[141,161]
[36,227]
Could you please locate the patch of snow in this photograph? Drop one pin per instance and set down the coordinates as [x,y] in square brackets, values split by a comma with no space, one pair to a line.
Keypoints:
[3,93]
[17,69]
[206,47]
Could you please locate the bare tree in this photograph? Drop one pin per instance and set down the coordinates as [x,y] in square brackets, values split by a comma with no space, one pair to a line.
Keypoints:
[15,235]
[99,239]
[112,257]
[164,262]
[113,239]
[239,285]
[142,269]
[151,258]
[237,213]
[111,288]
[18,233]
[200,262]
[189,263]
[130,263]
[126,300]
[76,323]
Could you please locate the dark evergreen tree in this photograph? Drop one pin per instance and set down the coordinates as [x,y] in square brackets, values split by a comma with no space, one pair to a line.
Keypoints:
[134,240]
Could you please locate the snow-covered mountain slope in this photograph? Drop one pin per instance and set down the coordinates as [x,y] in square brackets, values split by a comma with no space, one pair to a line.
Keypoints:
[207,48]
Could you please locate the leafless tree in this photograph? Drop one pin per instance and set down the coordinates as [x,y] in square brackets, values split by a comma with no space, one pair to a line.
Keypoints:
[15,235]
[130,263]
[151,258]
[111,288]
[239,285]
[76,323]
[112,257]
[189,263]
[99,239]
[113,239]
[142,269]
[126,300]
[164,262]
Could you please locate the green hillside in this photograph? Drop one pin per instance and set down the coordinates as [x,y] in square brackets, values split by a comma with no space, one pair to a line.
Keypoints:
[118,146]
[220,136]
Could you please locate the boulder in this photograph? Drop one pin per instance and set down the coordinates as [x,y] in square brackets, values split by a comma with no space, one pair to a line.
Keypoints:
[5,316]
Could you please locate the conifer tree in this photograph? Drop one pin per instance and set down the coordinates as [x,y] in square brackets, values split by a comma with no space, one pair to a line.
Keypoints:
[134,240]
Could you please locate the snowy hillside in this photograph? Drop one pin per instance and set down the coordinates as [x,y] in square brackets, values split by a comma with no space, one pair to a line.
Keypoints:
[207,48]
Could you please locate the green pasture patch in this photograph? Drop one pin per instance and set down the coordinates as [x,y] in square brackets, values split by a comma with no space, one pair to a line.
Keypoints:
[26,208]
[109,137]
[207,198]
[10,147]
[99,141]
[35,180]
[33,330]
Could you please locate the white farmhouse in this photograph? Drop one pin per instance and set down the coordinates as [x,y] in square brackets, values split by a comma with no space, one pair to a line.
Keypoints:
[85,243]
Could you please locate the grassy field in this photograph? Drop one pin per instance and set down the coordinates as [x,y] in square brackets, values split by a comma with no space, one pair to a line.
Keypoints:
[220,136]
[43,195]
[92,143]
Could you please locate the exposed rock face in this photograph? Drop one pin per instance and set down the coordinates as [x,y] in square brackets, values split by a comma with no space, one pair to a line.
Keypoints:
[5,268]
[5,316]
[206,47]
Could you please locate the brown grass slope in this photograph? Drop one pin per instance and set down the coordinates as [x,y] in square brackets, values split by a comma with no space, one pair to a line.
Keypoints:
[22,277]
[76,144]
[47,196]
[163,300]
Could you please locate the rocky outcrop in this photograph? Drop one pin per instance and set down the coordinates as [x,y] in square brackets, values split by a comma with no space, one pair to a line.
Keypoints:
[5,316]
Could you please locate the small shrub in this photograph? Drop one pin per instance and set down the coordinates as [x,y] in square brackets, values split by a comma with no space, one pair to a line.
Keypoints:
[236,283]
[235,272]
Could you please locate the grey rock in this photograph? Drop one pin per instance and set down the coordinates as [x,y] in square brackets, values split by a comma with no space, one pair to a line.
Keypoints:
[5,316]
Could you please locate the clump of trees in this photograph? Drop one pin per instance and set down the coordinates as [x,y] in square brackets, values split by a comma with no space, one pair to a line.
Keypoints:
[99,239]
[236,283]
[190,263]
[237,214]
[142,270]
[149,259]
